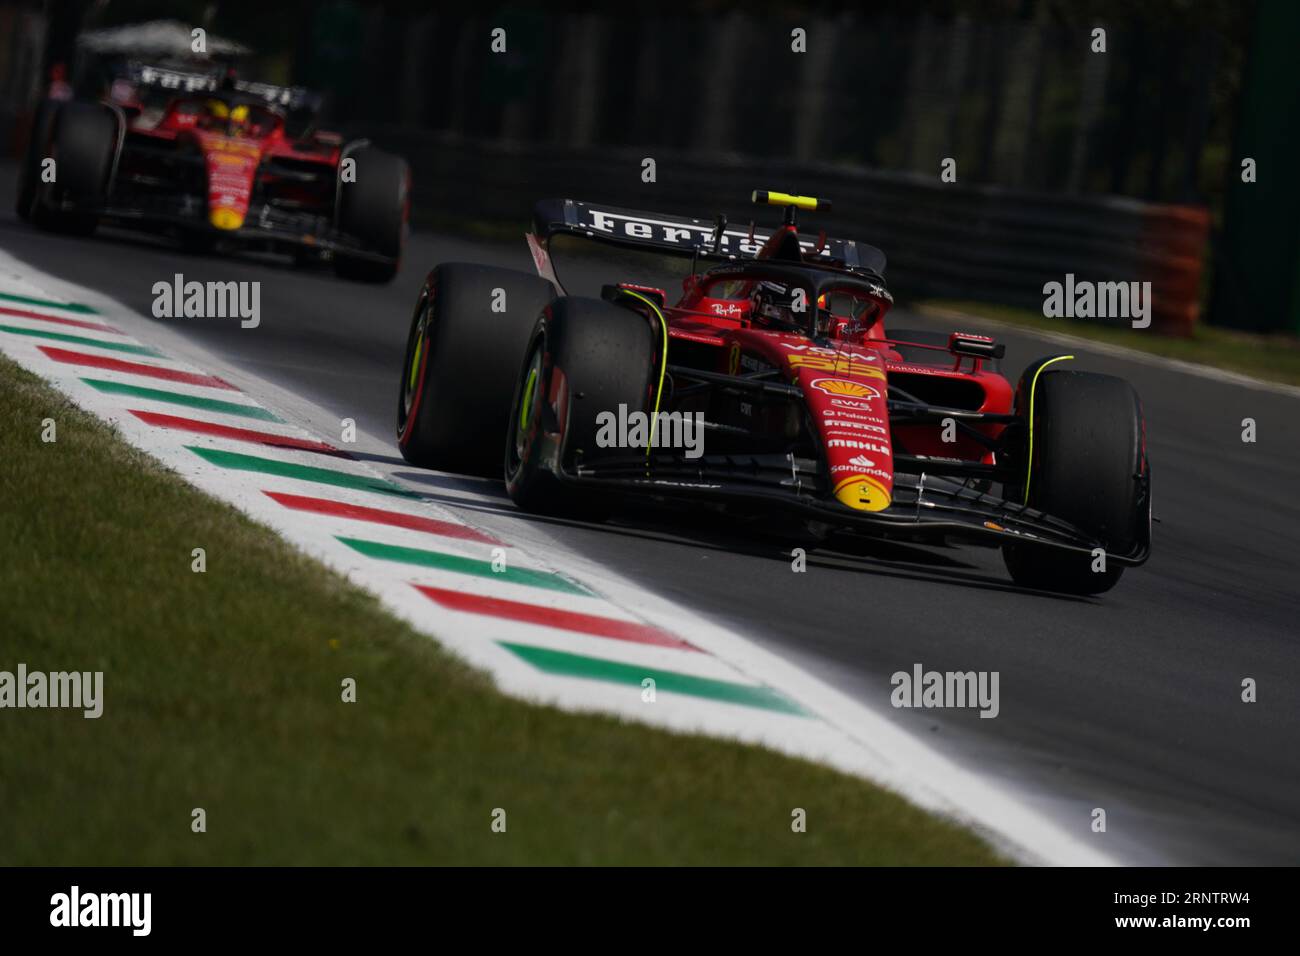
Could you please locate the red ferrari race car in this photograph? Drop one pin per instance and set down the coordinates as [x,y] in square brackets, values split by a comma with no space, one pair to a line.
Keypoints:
[805,402]
[214,164]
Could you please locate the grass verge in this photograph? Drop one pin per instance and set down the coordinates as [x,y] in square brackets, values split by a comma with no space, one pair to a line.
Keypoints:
[1275,358]
[222,691]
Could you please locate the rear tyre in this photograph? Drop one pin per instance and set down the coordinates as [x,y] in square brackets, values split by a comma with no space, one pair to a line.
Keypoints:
[586,357]
[1088,466]
[462,360]
[375,209]
[84,145]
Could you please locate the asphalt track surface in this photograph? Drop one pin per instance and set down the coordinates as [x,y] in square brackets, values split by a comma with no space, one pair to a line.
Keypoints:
[1130,702]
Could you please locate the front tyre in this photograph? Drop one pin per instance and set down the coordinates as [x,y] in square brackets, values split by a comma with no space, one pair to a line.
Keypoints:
[1085,461]
[586,357]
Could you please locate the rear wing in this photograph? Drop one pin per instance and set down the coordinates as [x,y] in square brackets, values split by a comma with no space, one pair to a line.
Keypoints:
[684,236]
[292,98]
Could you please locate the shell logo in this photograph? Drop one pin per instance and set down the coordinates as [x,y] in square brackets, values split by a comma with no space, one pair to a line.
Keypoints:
[836,386]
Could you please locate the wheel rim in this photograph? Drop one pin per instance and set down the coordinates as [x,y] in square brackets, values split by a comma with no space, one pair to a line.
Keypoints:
[523,419]
[416,351]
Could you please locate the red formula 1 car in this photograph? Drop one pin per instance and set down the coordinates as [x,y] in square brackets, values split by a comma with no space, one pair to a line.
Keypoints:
[215,163]
[771,386]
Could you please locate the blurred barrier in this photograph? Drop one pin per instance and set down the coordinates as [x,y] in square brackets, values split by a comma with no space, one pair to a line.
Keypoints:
[22,35]
[943,240]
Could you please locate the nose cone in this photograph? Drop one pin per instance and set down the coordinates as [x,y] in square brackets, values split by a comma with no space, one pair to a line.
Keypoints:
[862,493]
[226,218]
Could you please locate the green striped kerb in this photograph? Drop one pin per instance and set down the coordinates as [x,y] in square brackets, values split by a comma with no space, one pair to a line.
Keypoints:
[463,565]
[563,664]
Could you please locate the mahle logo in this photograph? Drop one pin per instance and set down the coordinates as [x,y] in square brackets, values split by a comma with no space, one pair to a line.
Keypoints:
[624,429]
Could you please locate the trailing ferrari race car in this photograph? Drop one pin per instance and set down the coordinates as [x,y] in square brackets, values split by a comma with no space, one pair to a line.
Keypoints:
[771,386]
[213,163]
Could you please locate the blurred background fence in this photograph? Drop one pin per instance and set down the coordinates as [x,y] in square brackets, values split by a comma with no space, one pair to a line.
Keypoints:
[942,239]
[1116,166]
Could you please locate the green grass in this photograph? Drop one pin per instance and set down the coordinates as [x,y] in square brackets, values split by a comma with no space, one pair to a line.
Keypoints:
[1275,357]
[222,691]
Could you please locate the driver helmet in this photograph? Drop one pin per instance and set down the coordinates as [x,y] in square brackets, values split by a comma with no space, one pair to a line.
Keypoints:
[219,113]
[779,306]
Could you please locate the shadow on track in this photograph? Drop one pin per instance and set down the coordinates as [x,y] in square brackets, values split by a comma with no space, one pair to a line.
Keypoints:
[715,532]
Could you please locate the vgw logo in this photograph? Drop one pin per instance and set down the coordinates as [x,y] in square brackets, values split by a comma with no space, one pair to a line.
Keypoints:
[640,430]
[75,908]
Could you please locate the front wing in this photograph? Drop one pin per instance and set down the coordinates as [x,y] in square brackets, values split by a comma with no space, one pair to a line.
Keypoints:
[264,225]
[923,506]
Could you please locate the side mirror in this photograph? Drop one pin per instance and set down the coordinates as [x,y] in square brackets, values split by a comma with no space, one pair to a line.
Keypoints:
[975,346]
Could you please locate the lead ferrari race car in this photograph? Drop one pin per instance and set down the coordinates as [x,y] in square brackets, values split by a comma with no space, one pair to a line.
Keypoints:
[209,158]
[773,387]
